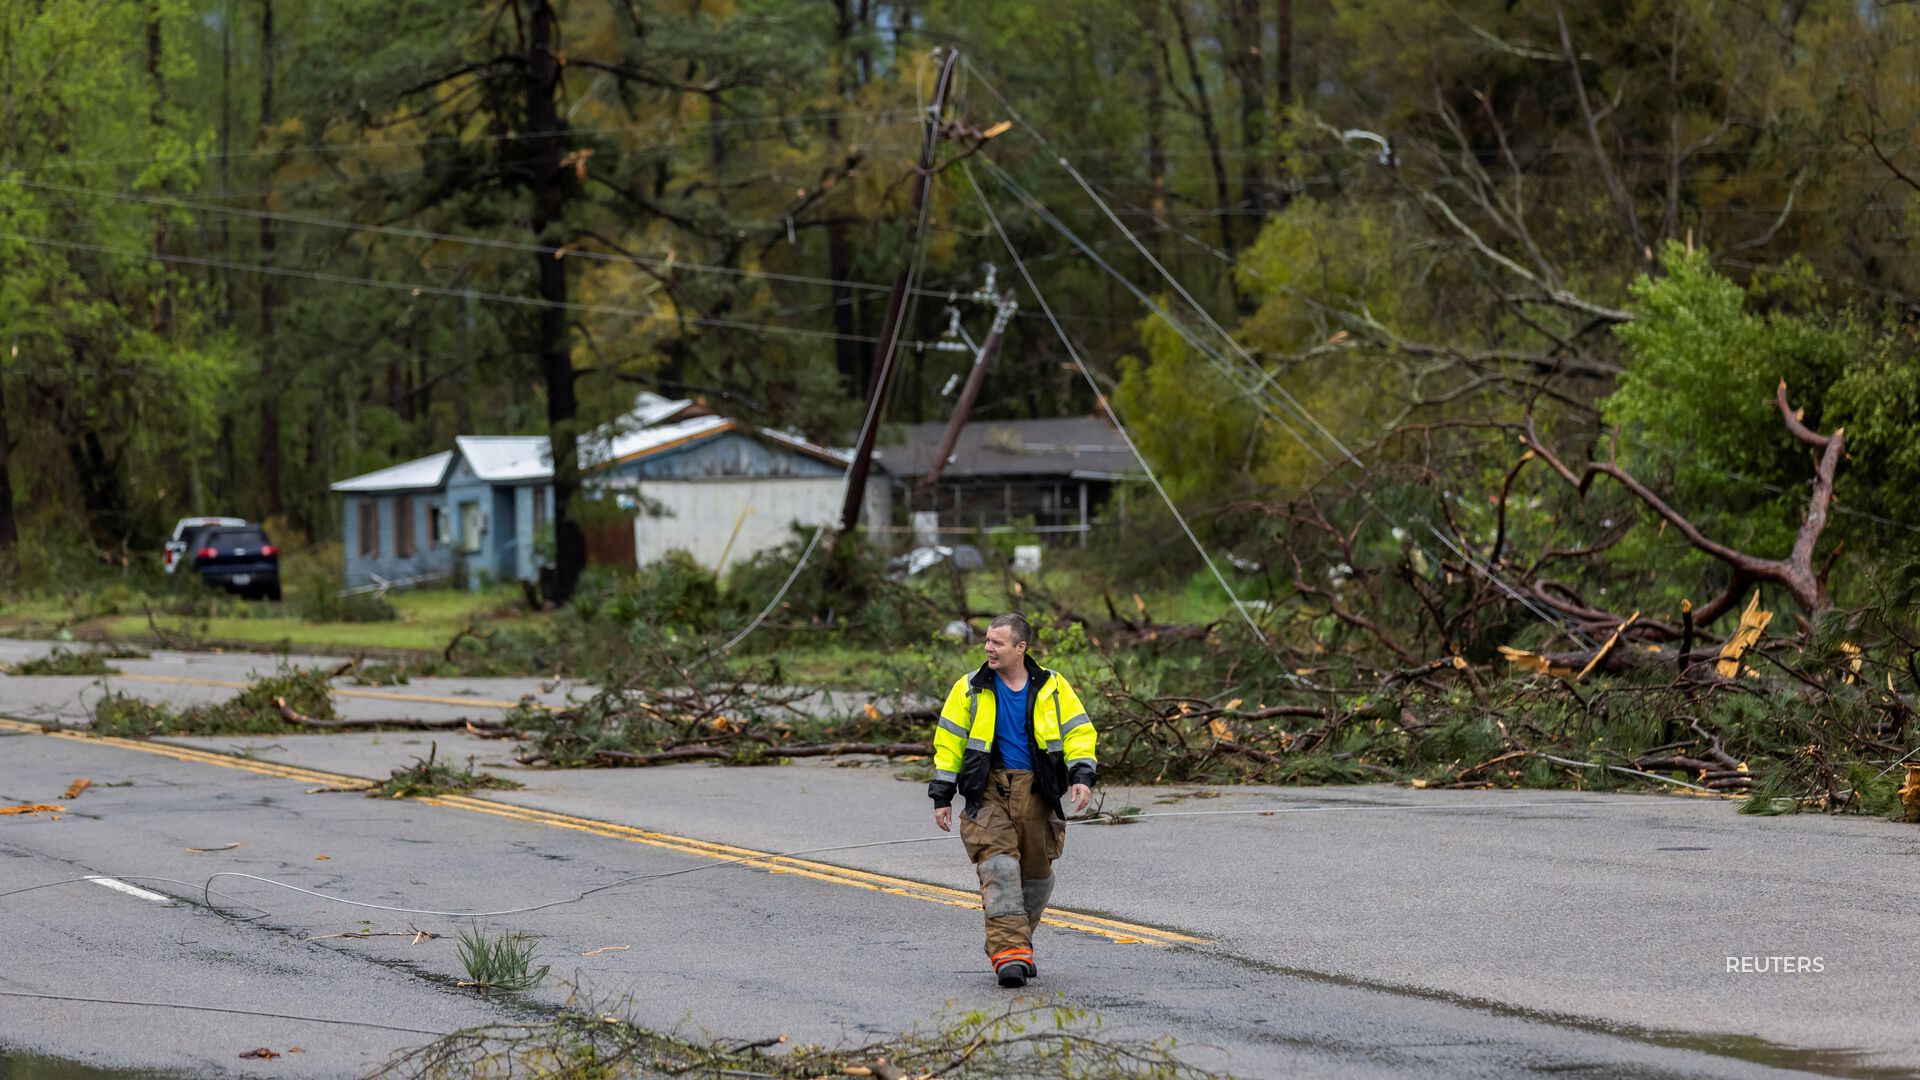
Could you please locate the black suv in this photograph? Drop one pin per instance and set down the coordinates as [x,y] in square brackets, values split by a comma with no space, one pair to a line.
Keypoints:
[239,559]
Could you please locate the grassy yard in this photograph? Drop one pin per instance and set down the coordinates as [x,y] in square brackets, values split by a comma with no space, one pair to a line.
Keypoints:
[155,608]
[427,619]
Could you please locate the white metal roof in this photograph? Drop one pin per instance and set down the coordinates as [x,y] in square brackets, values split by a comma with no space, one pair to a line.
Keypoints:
[599,449]
[650,408]
[501,459]
[787,438]
[423,472]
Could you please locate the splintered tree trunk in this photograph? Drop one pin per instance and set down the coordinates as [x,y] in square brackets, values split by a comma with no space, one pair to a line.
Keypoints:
[556,359]
[269,395]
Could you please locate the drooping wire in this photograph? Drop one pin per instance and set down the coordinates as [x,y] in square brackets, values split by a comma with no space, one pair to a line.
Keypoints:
[1265,381]
[1162,224]
[1073,352]
[218,1009]
[909,304]
[1467,556]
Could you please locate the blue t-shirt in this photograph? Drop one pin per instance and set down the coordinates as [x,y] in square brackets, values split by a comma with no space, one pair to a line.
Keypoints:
[1010,726]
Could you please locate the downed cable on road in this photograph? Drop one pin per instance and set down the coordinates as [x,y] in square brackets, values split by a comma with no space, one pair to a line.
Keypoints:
[207,891]
[218,1009]
[129,877]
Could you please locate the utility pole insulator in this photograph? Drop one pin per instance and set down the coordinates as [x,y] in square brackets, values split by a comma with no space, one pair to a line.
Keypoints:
[968,394]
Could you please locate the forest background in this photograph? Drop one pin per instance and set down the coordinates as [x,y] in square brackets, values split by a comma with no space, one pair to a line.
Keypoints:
[1575,329]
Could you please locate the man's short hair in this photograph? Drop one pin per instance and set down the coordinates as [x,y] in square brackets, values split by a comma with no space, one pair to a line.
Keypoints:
[1022,630]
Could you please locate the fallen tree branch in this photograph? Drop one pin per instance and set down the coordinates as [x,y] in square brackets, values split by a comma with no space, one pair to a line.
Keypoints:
[1795,573]
[294,716]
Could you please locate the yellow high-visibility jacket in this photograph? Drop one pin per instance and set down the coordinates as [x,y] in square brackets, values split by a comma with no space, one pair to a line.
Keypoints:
[1062,738]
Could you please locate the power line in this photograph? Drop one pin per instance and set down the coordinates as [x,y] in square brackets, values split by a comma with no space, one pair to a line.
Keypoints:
[1644,444]
[435,290]
[677,130]
[217,1009]
[1074,352]
[1266,381]
[659,262]
[1253,393]
[1212,355]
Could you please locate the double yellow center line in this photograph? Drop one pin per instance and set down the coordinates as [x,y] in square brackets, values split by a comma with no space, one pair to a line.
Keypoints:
[346,692]
[1111,929]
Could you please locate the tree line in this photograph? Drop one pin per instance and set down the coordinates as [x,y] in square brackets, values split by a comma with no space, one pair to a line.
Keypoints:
[1311,253]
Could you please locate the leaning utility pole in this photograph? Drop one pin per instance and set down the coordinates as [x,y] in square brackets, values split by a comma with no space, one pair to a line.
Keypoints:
[897,299]
[1005,307]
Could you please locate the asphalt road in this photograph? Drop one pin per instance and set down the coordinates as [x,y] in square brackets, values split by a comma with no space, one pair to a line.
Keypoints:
[1357,932]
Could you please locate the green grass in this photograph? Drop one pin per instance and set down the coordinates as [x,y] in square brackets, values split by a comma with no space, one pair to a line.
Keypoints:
[1199,599]
[498,961]
[428,618]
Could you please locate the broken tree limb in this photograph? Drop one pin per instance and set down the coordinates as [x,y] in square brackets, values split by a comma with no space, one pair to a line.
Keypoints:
[1795,573]
[294,716]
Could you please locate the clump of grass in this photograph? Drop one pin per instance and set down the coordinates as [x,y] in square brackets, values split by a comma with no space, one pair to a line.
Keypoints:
[427,777]
[63,662]
[498,961]
[254,711]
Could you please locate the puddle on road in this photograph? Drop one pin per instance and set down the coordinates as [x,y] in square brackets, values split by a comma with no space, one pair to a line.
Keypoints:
[17,1065]
[1839,1062]
[1846,1063]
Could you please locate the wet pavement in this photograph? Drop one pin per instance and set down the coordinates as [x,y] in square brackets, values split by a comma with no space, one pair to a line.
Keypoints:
[1361,931]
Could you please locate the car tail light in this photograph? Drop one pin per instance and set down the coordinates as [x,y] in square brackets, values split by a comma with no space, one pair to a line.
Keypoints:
[268,550]
[206,553]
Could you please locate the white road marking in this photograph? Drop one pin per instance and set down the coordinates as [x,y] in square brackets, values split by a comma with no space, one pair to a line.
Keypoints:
[131,890]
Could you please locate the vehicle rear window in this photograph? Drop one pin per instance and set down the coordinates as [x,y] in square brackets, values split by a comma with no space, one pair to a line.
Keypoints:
[232,538]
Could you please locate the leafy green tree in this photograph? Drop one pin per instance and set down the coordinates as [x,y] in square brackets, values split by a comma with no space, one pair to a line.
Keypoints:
[1706,356]
[110,351]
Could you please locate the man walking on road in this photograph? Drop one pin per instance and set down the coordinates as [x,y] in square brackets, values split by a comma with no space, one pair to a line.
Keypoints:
[1012,739]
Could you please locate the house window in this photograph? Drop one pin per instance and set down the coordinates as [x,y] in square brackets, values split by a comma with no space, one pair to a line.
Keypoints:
[436,527]
[403,527]
[539,507]
[369,529]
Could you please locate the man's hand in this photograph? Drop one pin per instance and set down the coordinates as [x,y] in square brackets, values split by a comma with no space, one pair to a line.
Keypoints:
[1079,795]
[943,817]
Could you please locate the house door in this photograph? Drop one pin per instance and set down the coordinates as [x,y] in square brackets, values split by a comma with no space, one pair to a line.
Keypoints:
[470,519]
[508,535]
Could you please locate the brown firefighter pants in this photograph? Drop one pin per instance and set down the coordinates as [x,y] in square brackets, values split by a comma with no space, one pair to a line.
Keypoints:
[1013,840]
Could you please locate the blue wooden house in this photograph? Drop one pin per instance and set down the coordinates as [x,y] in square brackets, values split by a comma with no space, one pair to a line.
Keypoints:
[717,488]
[394,523]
